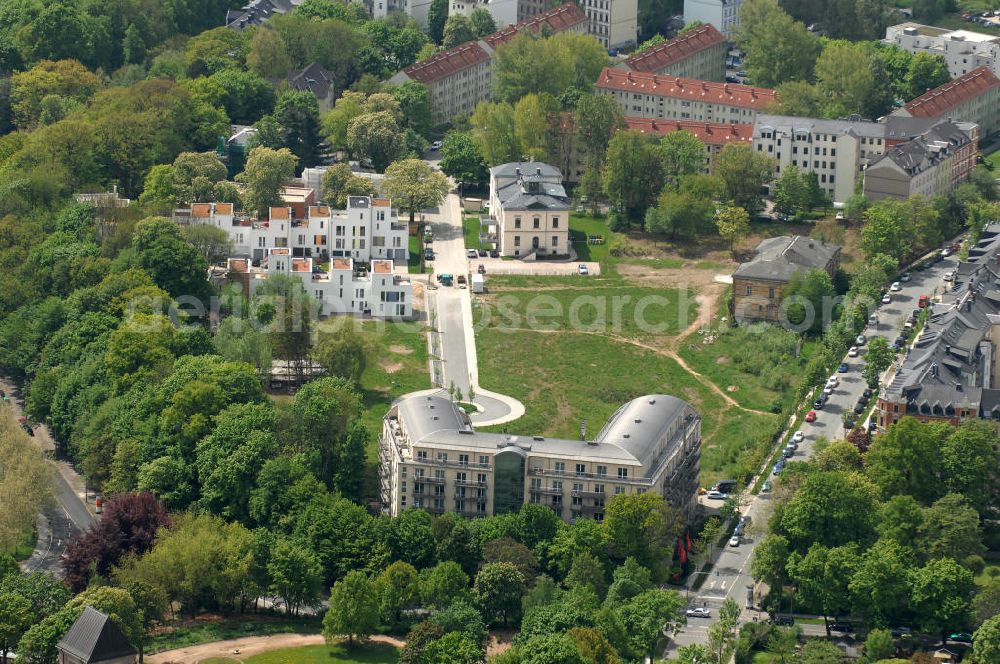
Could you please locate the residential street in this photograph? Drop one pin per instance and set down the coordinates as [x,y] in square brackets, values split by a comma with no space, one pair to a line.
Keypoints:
[731,574]
[68,516]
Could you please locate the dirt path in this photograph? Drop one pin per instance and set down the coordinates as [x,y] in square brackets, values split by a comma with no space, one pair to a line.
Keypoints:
[239,649]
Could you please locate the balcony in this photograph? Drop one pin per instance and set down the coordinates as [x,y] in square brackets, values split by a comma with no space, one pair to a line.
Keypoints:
[589,494]
[470,483]
[429,480]
[452,464]
[547,491]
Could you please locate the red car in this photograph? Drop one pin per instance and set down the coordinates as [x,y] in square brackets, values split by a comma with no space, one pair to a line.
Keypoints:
[811,416]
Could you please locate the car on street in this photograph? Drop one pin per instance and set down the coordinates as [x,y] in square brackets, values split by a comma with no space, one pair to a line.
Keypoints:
[830,387]
[848,423]
[435,146]
[582,269]
[949,276]
[811,416]
[818,404]
[766,487]
[860,340]
[798,437]
[472,253]
[787,452]
[946,252]
[867,393]
[494,253]
[428,254]
[843,368]
[778,466]
[843,628]
[905,277]
[483,253]
[859,407]
[887,298]
[960,637]
[734,541]
[924,301]
[852,351]
[716,495]
[698,612]
[783,621]
[822,399]
[898,632]
[896,287]
[833,380]
[873,319]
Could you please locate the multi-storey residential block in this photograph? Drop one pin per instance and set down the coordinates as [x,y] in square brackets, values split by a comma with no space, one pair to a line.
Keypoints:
[671,98]
[962,49]
[723,14]
[973,97]
[950,372]
[369,229]
[836,150]
[934,162]
[699,54]
[758,284]
[714,136]
[342,289]
[461,77]
[430,457]
[614,23]
[530,210]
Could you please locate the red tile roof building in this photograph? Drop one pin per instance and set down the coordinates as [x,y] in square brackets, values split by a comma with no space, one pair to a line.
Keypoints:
[714,136]
[974,97]
[672,98]
[700,54]
[461,77]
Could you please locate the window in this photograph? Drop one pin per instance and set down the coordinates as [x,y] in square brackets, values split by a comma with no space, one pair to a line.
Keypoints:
[422,455]
[749,290]
[442,456]
[560,467]
[555,222]
[484,461]
[439,475]
[463,459]
[517,222]
[623,473]
[619,489]
[602,471]
[770,292]
[555,241]
[517,240]
[535,222]
[580,469]
[598,488]
[556,485]
[577,486]
[536,484]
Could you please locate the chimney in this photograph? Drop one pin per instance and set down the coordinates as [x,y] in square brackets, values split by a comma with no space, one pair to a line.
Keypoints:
[518,171]
[538,170]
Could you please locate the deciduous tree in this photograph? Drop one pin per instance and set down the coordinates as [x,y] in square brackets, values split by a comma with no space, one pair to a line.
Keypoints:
[413,186]
[354,609]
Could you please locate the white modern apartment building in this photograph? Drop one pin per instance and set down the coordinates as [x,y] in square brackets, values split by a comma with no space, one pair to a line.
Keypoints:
[431,458]
[964,50]
[836,150]
[646,95]
[723,14]
[369,229]
[342,289]
[614,23]
[530,210]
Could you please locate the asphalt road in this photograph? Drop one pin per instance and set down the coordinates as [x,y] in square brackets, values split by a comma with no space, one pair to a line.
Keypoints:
[731,574]
[68,516]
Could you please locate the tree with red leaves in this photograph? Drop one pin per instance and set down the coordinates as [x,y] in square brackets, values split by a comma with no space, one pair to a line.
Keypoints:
[128,525]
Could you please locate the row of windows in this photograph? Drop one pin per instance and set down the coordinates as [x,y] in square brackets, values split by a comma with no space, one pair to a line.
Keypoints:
[535,222]
[463,459]
[581,469]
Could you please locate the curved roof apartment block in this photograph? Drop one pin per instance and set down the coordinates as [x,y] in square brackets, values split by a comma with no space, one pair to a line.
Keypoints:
[431,457]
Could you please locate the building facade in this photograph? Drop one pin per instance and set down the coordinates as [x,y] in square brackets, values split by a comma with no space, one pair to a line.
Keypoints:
[430,457]
[369,229]
[758,284]
[932,163]
[723,14]
[614,23]
[836,150]
[461,77]
[963,50]
[950,373]
[344,288]
[713,136]
[699,54]
[529,209]
[645,95]
[973,97]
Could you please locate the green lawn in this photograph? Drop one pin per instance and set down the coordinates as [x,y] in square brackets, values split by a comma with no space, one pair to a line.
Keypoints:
[583,304]
[208,632]
[416,249]
[566,377]
[470,227]
[580,227]
[372,653]
[993,160]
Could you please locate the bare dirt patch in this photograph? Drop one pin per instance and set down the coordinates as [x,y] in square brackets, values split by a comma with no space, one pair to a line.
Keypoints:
[390,367]
[733,388]
[400,350]
[722,360]
[643,275]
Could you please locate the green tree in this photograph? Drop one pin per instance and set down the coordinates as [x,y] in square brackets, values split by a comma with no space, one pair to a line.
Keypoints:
[411,539]
[986,641]
[778,48]
[733,224]
[325,410]
[354,609]
[572,59]
[534,116]
[782,644]
[420,637]
[744,171]
[820,652]
[296,575]
[376,136]
[894,464]
[414,105]
[800,98]
[398,588]
[335,121]
[296,114]
[969,460]
[342,352]
[879,644]
[809,296]
[597,118]
[454,648]
[878,358]
[822,577]
[844,77]
[498,590]
[443,584]
[925,72]
[642,526]
[176,266]
[886,231]
[268,55]
[633,174]
[830,508]
[437,16]
[16,616]
[413,186]
[458,29]
[940,594]
[464,618]
[265,173]
[482,22]
[683,154]
[587,570]
[647,616]
[494,130]
[880,586]
[950,529]
[462,159]
[791,191]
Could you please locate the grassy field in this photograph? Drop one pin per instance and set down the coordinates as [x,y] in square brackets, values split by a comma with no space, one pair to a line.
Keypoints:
[372,653]
[580,227]
[576,304]
[566,377]
[470,227]
[207,632]
[416,250]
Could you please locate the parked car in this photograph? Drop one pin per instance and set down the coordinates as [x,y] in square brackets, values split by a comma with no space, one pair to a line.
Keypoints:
[811,416]
[483,253]
[859,407]
[887,298]
[582,269]
[428,254]
[905,277]
[848,423]
[787,452]
[896,287]
[818,405]
[481,269]
[435,146]
[844,628]
[860,340]
[924,301]
[833,380]
[830,387]
[867,393]
[734,541]
[698,612]
[494,253]
[798,437]
[873,319]
[784,621]
[472,253]
[843,368]
[716,495]
[766,487]
[778,467]
[949,276]
[840,216]
[852,351]
[899,632]
[960,637]
[946,252]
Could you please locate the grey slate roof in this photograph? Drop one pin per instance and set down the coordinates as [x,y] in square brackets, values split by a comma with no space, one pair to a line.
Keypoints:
[94,638]
[313,78]
[630,436]
[927,149]
[780,258]
[788,124]
[526,168]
